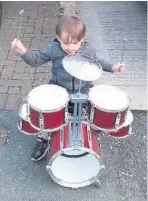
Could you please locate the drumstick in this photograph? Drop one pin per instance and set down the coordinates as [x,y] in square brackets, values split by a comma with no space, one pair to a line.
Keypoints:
[20,24]
[124,42]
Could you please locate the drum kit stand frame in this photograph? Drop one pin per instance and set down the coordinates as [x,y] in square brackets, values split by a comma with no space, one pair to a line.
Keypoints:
[74,123]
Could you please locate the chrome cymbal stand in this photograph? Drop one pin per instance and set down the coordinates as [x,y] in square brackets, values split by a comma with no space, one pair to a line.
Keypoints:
[75,121]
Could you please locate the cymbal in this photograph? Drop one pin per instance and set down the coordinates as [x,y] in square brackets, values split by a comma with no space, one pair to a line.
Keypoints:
[81,68]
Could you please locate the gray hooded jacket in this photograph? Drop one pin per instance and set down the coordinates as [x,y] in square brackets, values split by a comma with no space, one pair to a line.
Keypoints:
[60,76]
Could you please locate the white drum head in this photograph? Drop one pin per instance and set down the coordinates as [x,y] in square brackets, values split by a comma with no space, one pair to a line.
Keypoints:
[48,97]
[23,112]
[129,119]
[108,97]
[76,171]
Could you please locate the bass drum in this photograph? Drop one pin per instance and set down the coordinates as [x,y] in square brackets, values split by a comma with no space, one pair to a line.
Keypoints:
[74,163]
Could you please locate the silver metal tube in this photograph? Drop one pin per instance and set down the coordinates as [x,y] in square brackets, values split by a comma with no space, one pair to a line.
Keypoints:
[79,111]
[75,118]
[79,118]
[80,86]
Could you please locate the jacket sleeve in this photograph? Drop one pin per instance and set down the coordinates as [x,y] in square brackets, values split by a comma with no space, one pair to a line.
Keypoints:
[106,65]
[39,57]
[88,52]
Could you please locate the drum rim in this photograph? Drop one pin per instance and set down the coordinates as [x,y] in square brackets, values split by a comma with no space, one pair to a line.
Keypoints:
[47,130]
[101,129]
[26,133]
[114,111]
[25,119]
[89,98]
[66,101]
[114,130]
[46,111]
[125,136]
[125,124]
[76,185]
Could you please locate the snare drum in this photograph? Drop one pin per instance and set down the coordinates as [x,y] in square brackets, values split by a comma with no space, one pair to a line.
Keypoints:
[74,161]
[124,130]
[24,125]
[47,106]
[107,108]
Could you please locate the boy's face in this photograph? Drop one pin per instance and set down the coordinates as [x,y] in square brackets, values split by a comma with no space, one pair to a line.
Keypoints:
[71,48]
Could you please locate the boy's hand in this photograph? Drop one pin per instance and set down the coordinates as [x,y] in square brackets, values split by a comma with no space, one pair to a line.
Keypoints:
[118,67]
[17,46]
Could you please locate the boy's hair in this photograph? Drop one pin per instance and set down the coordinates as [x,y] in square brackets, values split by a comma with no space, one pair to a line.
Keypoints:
[70,29]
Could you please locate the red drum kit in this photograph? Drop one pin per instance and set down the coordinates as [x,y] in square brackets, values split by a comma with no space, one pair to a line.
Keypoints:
[74,157]
[47,113]
[24,125]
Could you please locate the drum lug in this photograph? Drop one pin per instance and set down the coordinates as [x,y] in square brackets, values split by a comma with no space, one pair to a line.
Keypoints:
[41,120]
[66,114]
[48,168]
[97,184]
[118,120]
[92,112]
[89,136]
[102,166]
[130,131]
[61,138]
[28,111]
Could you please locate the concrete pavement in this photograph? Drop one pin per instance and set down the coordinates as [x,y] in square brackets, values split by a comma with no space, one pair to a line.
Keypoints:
[124,178]
[108,24]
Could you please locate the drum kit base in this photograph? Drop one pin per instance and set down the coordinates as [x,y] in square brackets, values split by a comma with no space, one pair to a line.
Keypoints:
[74,156]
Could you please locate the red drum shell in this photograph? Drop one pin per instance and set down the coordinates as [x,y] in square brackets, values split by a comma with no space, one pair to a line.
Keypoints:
[125,129]
[74,166]
[122,132]
[51,120]
[106,119]
[55,140]
[24,125]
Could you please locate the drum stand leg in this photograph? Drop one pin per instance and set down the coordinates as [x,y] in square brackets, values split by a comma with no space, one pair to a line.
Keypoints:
[97,183]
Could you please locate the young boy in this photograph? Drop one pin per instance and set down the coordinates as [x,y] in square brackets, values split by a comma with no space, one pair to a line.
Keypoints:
[70,33]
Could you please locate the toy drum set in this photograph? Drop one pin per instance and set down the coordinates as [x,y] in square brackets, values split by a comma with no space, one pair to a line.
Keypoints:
[74,155]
